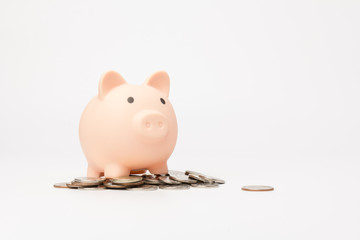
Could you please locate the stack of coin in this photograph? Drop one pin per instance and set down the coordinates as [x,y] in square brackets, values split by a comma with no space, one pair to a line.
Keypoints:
[82,183]
[174,180]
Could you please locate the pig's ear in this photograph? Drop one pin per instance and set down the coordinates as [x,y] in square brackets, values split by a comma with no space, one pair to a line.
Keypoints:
[159,80]
[108,81]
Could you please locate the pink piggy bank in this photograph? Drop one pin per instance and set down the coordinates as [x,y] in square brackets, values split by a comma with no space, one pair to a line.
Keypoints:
[127,127]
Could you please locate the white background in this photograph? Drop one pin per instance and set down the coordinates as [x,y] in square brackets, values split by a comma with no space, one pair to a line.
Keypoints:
[266,92]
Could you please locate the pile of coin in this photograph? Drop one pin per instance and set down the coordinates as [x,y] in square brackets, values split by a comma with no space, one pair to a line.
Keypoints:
[174,180]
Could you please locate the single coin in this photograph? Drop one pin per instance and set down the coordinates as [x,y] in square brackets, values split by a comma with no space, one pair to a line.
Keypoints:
[114,186]
[201,179]
[168,180]
[175,187]
[180,177]
[127,179]
[60,185]
[85,184]
[257,188]
[143,188]
[205,185]
[90,180]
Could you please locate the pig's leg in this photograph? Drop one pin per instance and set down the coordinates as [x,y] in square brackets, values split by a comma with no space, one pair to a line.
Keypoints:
[159,168]
[93,172]
[113,170]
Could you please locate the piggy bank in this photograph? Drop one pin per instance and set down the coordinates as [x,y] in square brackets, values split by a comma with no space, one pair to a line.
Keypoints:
[127,127]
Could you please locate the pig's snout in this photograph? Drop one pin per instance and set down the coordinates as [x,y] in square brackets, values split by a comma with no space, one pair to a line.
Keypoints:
[151,125]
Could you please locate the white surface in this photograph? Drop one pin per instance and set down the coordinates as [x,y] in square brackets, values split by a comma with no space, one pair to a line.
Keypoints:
[266,92]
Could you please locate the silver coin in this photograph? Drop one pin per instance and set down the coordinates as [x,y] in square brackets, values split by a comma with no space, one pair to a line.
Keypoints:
[187,172]
[175,187]
[113,186]
[205,185]
[214,179]
[136,175]
[84,184]
[131,184]
[100,187]
[162,174]
[61,185]
[168,180]
[89,180]
[257,188]
[206,177]
[127,179]
[143,188]
[197,177]
[71,185]
[180,177]
[152,179]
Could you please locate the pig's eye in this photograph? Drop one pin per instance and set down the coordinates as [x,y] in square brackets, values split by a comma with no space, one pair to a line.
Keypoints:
[130,99]
[162,100]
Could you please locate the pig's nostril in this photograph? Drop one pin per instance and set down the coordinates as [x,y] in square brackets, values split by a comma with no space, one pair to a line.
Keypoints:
[150,126]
